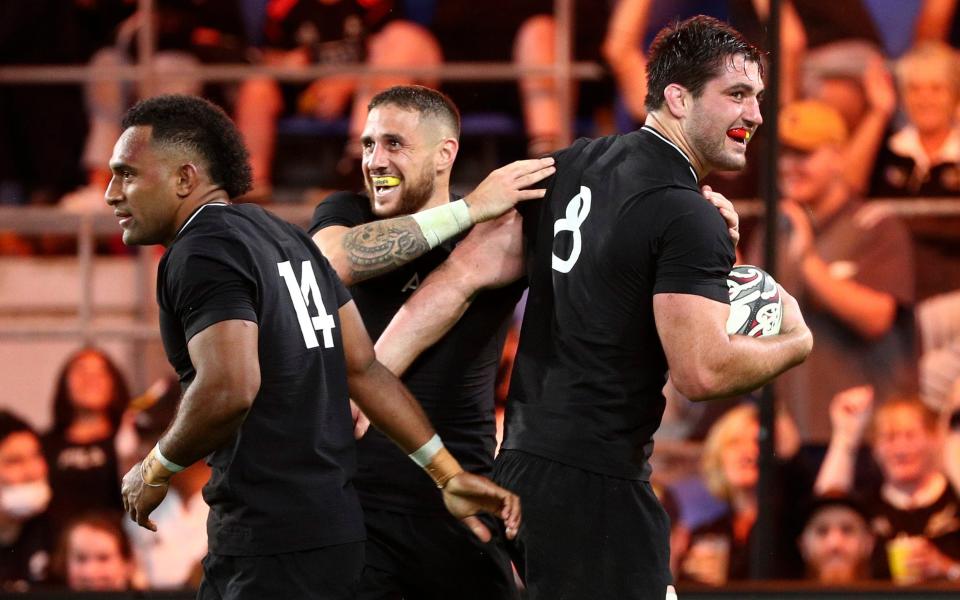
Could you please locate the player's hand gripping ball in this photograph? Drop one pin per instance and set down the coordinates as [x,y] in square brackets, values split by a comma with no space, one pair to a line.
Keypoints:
[755,305]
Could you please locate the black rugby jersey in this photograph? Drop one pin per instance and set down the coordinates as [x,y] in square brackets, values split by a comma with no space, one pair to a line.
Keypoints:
[623,220]
[282,483]
[453,380]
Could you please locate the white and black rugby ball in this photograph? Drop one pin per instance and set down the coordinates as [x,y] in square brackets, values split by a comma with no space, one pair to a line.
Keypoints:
[755,305]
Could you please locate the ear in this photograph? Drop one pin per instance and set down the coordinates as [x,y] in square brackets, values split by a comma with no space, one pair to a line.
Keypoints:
[446,153]
[187,179]
[677,99]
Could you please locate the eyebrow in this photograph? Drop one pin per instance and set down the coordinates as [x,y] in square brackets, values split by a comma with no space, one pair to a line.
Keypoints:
[118,165]
[744,87]
[387,136]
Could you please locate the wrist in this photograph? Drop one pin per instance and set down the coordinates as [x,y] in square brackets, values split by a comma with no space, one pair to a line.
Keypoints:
[440,223]
[156,469]
[437,461]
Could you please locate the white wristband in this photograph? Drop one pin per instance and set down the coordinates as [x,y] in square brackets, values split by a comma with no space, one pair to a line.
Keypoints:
[441,223]
[426,452]
[167,463]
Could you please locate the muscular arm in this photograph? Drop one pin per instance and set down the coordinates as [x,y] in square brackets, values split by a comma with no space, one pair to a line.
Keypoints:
[383,398]
[370,250]
[705,362]
[490,256]
[225,356]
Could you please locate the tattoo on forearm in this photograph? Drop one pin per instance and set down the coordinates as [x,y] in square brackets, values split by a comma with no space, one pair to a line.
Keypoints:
[382,246]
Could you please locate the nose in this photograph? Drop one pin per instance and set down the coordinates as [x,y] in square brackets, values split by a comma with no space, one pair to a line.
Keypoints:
[751,114]
[112,195]
[376,157]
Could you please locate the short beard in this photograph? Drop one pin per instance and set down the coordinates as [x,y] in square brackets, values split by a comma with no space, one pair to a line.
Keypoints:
[713,152]
[417,192]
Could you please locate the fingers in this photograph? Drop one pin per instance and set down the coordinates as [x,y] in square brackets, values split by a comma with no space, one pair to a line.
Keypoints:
[535,177]
[478,528]
[511,515]
[531,194]
[361,426]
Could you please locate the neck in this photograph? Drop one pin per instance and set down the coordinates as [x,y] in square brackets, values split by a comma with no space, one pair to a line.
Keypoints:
[88,427]
[670,128]
[441,193]
[744,501]
[932,141]
[191,203]
[913,486]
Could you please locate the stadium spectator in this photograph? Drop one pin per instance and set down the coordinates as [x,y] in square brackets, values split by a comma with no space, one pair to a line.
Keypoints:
[836,542]
[719,550]
[93,554]
[91,395]
[915,502]
[851,266]
[24,495]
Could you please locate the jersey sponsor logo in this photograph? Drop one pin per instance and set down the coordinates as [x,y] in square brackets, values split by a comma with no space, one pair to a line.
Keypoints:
[577,210]
[413,284]
[301,292]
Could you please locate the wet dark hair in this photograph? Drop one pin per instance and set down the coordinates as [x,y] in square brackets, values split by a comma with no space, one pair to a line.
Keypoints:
[423,100]
[63,410]
[691,53]
[202,128]
[11,424]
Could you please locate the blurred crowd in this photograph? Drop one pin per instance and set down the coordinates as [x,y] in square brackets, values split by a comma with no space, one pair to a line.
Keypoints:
[867,430]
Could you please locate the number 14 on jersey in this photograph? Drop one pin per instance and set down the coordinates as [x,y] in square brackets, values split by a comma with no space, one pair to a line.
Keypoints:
[301,291]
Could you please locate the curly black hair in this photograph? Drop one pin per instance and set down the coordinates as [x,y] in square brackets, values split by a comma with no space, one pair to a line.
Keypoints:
[201,127]
[692,52]
[423,100]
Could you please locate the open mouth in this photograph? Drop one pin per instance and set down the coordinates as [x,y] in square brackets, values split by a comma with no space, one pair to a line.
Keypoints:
[384,183]
[741,135]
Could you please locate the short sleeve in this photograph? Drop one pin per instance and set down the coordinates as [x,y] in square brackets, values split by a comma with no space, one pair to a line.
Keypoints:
[207,285]
[694,250]
[340,208]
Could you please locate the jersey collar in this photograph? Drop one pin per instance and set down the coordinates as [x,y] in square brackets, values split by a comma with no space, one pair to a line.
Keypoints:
[195,213]
[675,147]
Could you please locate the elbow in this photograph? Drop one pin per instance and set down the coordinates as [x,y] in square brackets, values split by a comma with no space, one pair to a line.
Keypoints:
[697,385]
[237,395]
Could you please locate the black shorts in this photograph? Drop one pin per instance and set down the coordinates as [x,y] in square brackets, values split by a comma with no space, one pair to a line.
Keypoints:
[417,557]
[329,573]
[585,535]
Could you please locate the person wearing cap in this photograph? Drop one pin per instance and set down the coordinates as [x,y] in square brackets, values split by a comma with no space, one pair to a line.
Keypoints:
[914,511]
[852,268]
[836,542]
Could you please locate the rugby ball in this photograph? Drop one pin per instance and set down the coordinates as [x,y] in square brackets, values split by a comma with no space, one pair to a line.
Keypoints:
[755,305]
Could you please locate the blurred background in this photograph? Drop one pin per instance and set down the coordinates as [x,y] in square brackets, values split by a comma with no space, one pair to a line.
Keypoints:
[869,174]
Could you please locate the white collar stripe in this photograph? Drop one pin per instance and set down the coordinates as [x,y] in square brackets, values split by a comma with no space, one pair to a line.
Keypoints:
[675,147]
[197,212]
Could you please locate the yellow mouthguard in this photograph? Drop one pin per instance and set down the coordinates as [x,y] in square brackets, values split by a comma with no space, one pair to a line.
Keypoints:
[746,138]
[386,181]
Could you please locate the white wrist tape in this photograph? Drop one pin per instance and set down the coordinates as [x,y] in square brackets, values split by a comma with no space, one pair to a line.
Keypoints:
[426,452]
[167,463]
[441,223]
